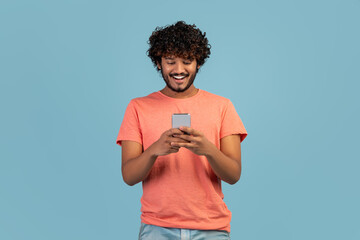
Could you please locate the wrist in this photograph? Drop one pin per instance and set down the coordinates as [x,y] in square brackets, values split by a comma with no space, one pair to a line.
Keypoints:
[211,151]
[152,150]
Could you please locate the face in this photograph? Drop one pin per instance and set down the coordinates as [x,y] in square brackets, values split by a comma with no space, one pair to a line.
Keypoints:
[178,73]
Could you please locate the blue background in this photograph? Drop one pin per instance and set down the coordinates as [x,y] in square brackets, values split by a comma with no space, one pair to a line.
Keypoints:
[69,68]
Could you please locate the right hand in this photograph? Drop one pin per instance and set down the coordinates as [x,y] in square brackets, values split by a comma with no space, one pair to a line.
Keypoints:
[163,146]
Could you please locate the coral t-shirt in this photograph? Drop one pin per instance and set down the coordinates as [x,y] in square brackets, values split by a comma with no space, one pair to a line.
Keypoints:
[181,190]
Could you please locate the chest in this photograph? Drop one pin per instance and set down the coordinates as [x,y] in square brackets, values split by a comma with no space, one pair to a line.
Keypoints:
[156,119]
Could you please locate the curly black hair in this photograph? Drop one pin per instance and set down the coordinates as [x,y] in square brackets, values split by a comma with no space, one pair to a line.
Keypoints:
[180,40]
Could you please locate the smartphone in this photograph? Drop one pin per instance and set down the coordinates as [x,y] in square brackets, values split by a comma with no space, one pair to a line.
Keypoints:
[181,120]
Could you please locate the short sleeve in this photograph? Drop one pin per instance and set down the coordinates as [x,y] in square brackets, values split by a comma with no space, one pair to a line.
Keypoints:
[130,129]
[231,123]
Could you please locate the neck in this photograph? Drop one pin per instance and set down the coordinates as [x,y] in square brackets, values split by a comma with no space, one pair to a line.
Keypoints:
[191,91]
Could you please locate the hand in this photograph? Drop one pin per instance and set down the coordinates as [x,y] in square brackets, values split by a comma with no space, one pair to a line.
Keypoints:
[193,140]
[164,145]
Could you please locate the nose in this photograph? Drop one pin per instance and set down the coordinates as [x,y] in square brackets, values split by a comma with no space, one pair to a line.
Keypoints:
[179,68]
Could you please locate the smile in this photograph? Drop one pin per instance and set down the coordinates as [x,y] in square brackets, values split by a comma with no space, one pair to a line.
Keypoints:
[179,77]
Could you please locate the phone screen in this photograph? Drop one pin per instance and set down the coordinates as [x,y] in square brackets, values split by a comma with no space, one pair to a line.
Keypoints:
[181,120]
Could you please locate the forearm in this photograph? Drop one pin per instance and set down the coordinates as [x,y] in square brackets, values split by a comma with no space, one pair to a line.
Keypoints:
[136,169]
[136,164]
[226,168]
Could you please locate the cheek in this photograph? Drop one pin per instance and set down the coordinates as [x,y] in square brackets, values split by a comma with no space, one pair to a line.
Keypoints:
[166,70]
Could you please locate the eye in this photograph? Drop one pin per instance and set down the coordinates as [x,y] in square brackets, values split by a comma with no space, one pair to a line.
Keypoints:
[171,63]
[187,63]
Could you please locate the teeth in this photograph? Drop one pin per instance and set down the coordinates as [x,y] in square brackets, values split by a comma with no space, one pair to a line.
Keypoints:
[181,77]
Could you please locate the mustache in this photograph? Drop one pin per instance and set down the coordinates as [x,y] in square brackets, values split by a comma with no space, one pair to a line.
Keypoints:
[179,74]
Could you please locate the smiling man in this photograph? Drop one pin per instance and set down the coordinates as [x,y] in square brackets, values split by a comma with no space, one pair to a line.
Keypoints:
[181,169]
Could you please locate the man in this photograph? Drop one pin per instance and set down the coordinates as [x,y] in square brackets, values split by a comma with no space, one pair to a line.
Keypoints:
[181,168]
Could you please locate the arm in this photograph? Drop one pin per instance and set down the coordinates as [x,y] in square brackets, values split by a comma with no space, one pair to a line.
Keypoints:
[226,162]
[136,163]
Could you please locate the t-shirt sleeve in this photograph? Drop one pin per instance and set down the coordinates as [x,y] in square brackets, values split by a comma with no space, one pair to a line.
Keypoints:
[130,129]
[231,123]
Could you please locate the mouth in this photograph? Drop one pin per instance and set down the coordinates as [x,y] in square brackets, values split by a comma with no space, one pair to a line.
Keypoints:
[179,79]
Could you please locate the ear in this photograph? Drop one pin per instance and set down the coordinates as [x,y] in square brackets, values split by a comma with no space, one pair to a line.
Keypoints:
[197,68]
[158,66]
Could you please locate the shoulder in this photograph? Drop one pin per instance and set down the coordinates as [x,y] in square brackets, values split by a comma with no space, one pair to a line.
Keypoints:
[145,99]
[214,98]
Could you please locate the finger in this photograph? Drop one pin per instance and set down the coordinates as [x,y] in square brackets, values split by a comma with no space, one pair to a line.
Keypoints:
[181,144]
[177,139]
[173,146]
[190,138]
[185,137]
[173,131]
[190,131]
[173,150]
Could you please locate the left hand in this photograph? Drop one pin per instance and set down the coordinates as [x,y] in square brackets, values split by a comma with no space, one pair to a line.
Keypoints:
[196,141]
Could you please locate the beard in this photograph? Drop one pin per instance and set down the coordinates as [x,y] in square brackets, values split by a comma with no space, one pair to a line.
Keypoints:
[178,90]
